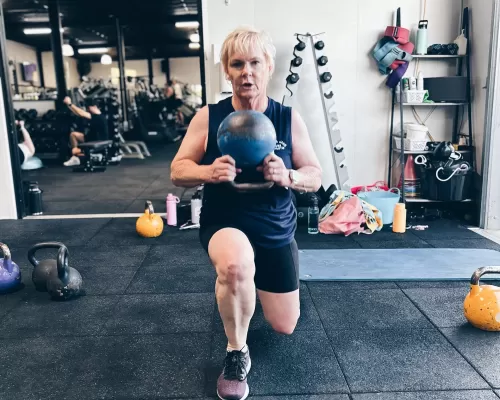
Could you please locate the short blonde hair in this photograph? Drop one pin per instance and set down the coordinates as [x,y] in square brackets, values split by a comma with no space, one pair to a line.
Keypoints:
[243,39]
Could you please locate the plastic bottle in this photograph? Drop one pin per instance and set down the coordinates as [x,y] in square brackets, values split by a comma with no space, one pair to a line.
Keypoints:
[421,47]
[413,83]
[172,209]
[420,81]
[195,208]
[399,220]
[313,217]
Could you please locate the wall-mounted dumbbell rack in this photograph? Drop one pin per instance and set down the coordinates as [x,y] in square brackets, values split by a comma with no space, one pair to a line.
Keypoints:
[316,45]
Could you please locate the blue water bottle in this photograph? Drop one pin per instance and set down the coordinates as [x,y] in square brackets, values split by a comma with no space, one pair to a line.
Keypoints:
[422,37]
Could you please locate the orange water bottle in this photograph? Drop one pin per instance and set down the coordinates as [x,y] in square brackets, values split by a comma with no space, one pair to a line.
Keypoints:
[399,221]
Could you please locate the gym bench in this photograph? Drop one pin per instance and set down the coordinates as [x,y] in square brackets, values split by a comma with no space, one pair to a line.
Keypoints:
[95,156]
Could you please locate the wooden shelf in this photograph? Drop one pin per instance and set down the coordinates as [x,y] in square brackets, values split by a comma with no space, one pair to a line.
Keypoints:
[427,152]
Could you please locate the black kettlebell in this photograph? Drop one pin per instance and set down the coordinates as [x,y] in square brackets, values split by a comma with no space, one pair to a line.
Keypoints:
[64,282]
[42,268]
[443,151]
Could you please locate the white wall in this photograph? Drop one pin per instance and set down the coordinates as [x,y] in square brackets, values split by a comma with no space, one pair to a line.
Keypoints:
[185,69]
[7,199]
[19,53]
[352,30]
[481,11]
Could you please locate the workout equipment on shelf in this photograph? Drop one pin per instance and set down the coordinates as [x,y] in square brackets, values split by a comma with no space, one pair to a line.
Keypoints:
[10,274]
[149,224]
[64,282]
[42,269]
[248,137]
[316,46]
[482,303]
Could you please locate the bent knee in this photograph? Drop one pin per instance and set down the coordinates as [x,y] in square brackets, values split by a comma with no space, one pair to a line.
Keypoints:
[234,271]
[285,326]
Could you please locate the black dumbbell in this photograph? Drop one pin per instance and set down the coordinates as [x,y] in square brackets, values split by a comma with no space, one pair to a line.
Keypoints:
[300,46]
[326,77]
[297,61]
[320,45]
[322,60]
[32,114]
[293,78]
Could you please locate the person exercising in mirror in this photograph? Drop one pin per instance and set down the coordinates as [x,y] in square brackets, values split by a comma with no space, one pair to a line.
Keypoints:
[249,237]
[26,146]
[98,128]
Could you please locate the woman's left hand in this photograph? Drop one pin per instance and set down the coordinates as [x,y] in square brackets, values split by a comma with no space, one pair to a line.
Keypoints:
[275,170]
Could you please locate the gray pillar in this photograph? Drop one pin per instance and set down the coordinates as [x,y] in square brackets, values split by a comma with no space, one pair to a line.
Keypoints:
[57,42]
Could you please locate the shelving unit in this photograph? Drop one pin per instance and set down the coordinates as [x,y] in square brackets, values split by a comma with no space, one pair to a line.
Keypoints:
[460,60]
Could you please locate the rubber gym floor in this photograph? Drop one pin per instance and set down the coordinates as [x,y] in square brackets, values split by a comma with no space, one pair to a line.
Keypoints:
[149,328]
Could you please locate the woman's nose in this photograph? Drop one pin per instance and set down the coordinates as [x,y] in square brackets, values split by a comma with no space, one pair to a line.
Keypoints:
[247,70]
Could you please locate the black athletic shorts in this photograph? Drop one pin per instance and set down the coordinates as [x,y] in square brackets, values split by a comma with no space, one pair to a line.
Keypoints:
[276,269]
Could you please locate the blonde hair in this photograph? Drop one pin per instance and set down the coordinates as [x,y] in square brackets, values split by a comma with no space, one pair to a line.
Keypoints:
[242,40]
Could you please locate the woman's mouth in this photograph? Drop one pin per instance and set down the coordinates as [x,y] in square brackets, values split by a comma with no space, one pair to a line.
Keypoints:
[247,85]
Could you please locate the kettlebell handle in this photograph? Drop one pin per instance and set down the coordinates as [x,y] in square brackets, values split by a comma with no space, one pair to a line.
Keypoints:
[478,273]
[38,246]
[149,207]
[62,262]
[6,251]
[7,262]
[251,187]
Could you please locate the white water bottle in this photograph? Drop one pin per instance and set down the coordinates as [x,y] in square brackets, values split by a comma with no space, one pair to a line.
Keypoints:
[420,81]
[195,208]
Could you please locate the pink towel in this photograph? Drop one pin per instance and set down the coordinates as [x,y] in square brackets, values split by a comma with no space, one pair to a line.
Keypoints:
[347,218]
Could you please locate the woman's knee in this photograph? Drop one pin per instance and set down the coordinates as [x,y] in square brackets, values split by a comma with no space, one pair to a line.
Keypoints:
[232,256]
[286,325]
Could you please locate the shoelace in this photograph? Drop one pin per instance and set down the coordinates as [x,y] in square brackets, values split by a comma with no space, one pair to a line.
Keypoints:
[234,366]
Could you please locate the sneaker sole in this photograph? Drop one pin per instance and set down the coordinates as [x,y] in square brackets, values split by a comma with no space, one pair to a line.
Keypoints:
[247,390]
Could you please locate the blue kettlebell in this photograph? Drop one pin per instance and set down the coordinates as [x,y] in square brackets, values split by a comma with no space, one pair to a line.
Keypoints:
[248,136]
[10,274]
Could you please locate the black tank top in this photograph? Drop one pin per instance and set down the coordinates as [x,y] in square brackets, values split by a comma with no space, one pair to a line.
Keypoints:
[267,217]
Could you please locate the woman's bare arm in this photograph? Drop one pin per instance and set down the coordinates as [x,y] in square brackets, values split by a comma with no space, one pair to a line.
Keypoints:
[304,158]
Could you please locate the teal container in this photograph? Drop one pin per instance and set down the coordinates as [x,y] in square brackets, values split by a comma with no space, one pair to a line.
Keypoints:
[384,201]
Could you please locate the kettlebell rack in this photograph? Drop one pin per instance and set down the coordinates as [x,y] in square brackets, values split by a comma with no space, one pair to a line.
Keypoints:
[324,77]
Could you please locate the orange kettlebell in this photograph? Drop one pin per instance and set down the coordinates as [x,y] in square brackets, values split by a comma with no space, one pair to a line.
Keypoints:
[482,303]
[149,224]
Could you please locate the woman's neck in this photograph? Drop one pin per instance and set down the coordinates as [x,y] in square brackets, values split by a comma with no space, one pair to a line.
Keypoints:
[259,103]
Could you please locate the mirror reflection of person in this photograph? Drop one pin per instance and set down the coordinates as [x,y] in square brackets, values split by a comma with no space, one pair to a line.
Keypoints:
[98,128]
[173,94]
[26,146]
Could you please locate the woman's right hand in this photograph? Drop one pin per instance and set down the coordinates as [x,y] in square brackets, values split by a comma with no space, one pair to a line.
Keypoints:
[223,169]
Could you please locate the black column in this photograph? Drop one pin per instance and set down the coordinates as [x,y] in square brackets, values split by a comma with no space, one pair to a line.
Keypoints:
[120,49]
[10,119]
[202,55]
[57,42]
[40,67]
[150,68]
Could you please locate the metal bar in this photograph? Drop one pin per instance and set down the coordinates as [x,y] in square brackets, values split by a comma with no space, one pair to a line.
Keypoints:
[150,68]
[402,143]
[57,42]
[40,67]
[489,202]
[467,18]
[202,54]
[391,136]
[121,66]
[9,120]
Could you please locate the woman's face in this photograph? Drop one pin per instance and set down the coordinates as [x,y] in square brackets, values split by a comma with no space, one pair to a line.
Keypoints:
[248,73]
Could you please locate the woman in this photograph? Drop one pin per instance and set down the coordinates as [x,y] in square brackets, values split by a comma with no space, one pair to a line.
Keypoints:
[26,146]
[249,237]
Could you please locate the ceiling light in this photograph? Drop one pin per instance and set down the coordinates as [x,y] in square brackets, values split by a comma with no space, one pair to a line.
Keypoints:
[194,46]
[95,50]
[106,59]
[37,31]
[188,24]
[68,50]
[195,37]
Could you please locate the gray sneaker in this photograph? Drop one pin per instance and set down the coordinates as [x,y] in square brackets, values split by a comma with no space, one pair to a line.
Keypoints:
[232,383]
